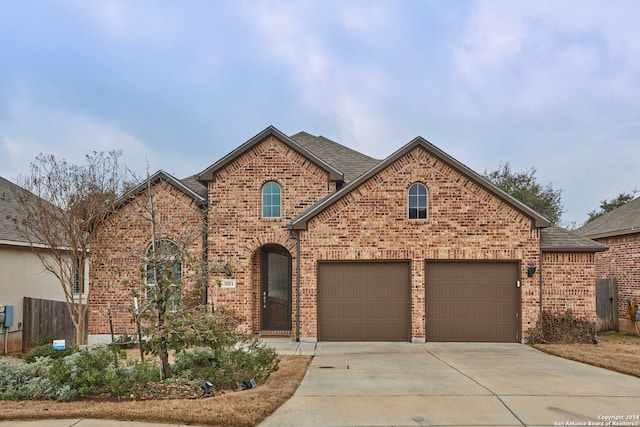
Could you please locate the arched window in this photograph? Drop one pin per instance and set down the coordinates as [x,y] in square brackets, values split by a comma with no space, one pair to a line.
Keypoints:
[418,201]
[164,273]
[271,199]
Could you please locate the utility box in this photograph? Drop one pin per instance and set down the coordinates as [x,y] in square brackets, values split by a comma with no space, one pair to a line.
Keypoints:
[6,315]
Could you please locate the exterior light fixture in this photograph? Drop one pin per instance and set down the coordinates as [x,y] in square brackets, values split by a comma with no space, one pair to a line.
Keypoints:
[531,269]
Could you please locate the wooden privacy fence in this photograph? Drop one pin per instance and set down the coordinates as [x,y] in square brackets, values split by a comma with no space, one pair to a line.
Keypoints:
[607,304]
[48,317]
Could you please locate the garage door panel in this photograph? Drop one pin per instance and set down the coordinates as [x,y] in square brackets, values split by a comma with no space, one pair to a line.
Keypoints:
[471,301]
[364,301]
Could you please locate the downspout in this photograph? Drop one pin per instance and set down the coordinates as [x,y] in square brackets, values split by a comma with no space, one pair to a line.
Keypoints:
[205,249]
[297,238]
[540,282]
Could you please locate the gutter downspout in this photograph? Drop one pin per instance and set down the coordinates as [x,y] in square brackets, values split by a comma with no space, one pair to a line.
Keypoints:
[205,250]
[297,239]
[540,280]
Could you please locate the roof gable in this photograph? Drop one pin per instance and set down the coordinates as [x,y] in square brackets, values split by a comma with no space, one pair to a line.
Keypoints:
[210,173]
[300,222]
[622,220]
[191,191]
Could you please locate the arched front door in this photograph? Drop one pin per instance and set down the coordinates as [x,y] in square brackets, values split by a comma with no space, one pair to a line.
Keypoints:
[275,277]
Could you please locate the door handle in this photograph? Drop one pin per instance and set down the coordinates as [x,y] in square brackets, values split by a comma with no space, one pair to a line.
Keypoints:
[264,299]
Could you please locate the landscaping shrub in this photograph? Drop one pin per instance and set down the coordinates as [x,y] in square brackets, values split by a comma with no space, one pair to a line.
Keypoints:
[46,350]
[82,373]
[562,328]
[228,367]
[20,381]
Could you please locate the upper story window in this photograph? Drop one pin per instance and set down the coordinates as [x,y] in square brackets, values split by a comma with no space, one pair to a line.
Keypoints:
[164,273]
[418,201]
[271,200]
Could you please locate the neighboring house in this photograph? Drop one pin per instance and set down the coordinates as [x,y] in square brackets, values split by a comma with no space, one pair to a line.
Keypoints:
[309,239]
[23,274]
[620,231]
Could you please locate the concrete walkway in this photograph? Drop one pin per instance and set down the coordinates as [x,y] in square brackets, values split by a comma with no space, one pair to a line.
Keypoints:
[467,384]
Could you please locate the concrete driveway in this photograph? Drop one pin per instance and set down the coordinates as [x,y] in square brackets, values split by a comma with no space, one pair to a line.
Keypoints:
[461,384]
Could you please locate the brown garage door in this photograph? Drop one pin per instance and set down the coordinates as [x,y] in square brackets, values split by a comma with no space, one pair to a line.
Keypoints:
[364,301]
[472,301]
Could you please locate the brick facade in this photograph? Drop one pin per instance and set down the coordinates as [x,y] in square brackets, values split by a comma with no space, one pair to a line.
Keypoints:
[237,229]
[466,221]
[569,283]
[119,248]
[622,261]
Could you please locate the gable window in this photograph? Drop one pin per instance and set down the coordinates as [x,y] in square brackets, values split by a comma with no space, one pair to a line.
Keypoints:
[164,273]
[271,197]
[418,201]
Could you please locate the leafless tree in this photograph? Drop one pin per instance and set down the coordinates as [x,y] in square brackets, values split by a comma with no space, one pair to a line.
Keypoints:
[60,204]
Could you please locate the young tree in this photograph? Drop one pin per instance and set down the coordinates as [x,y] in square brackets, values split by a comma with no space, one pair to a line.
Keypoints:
[60,203]
[608,206]
[524,186]
[171,304]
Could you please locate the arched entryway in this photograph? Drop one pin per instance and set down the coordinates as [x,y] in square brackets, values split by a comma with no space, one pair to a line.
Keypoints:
[275,288]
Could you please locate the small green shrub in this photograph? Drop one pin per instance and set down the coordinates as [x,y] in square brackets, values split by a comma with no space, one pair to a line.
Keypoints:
[20,381]
[131,380]
[82,373]
[46,350]
[249,360]
[228,367]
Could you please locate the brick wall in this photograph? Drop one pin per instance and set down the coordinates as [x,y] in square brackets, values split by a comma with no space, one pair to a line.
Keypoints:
[237,229]
[464,222]
[622,261]
[119,247]
[569,283]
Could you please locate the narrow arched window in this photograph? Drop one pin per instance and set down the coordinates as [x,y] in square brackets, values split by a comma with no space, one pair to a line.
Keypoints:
[164,274]
[271,200]
[418,201]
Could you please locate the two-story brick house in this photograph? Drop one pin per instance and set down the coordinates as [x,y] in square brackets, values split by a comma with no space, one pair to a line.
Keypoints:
[307,238]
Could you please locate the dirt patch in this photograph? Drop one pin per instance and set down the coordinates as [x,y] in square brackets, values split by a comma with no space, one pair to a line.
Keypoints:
[242,408]
[615,351]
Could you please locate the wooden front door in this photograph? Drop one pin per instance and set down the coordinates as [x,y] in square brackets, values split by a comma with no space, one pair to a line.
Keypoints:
[276,288]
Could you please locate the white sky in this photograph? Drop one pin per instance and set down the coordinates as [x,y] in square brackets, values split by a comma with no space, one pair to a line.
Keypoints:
[176,85]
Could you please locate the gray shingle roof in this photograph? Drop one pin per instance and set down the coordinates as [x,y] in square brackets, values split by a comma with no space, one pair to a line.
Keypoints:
[9,213]
[194,185]
[10,216]
[556,239]
[622,220]
[350,162]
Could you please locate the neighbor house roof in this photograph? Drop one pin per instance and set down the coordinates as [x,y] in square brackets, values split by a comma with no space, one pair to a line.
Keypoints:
[350,162]
[9,214]
[300,222]
[556,239]
[11,217]
[622,220]
[209,174]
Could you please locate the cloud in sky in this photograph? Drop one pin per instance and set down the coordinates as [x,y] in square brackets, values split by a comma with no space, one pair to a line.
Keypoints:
[546,84]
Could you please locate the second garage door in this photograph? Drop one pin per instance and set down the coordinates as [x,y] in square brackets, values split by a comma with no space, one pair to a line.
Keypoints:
[472,301]
[364,301]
